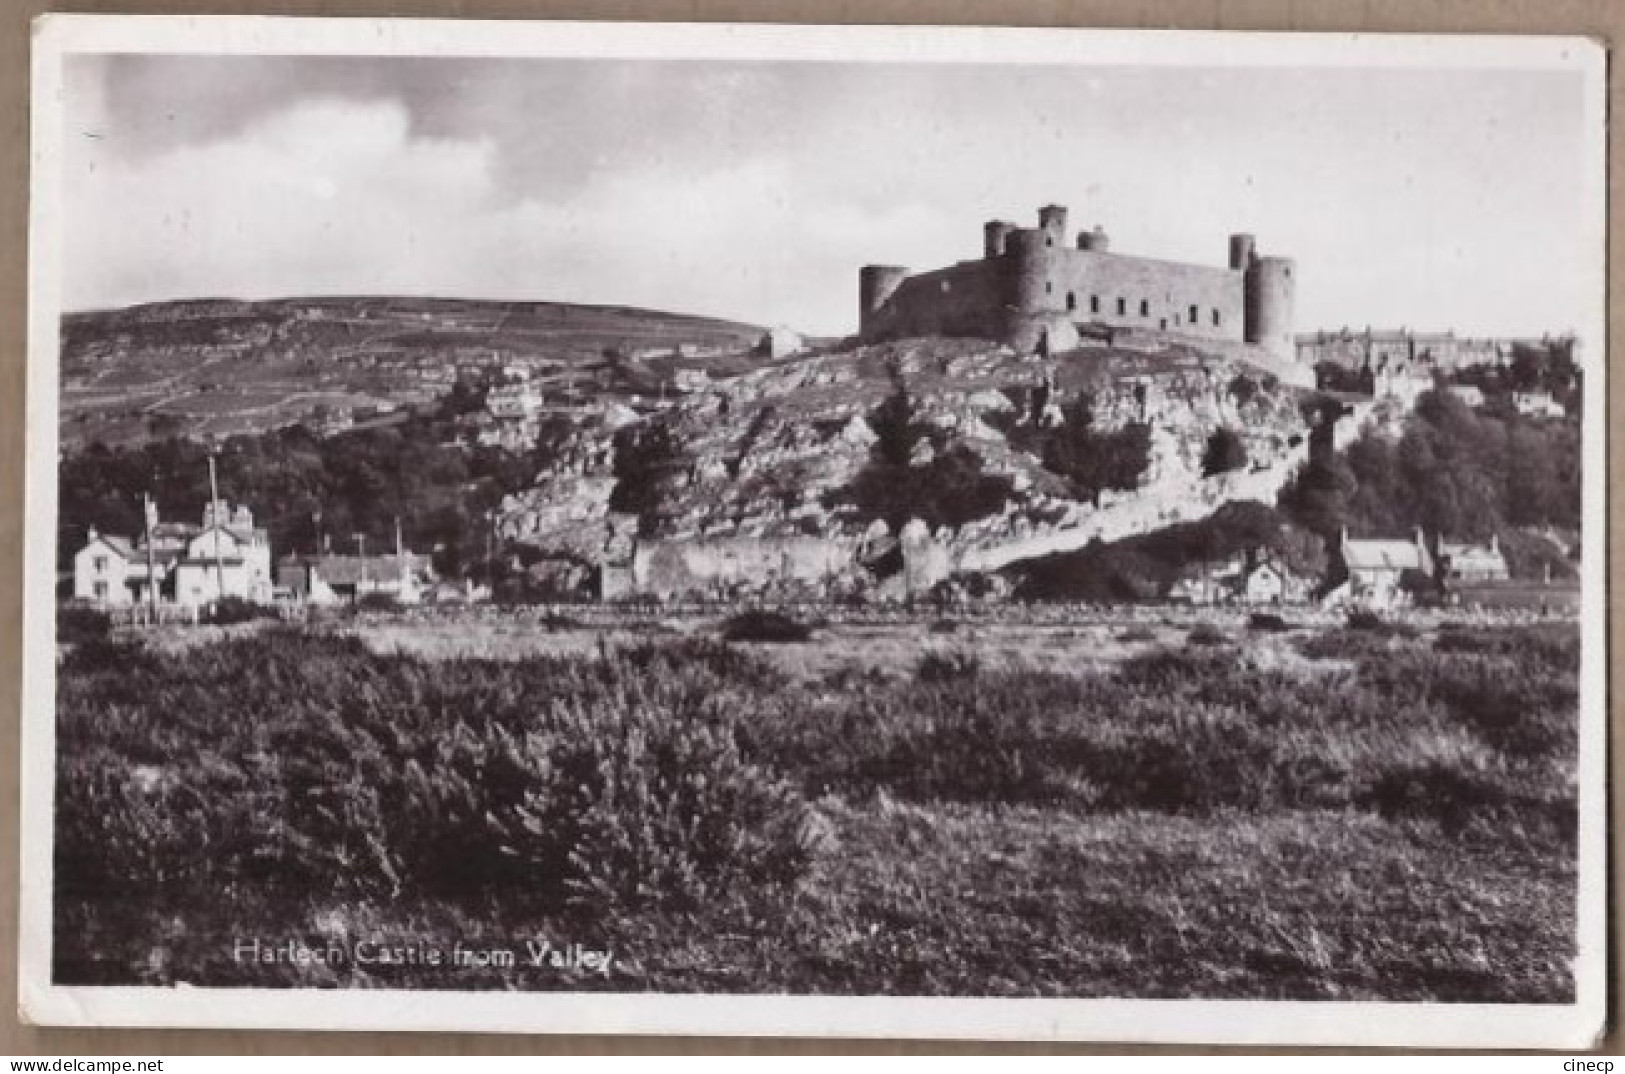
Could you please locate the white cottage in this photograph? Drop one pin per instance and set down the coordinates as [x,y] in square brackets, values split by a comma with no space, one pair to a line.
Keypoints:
[104,570]
[228,557]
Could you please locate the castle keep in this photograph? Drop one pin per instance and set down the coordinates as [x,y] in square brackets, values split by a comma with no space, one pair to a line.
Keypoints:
[1033,288]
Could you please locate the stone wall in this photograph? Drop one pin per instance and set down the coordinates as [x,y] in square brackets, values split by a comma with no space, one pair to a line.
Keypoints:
[699,568]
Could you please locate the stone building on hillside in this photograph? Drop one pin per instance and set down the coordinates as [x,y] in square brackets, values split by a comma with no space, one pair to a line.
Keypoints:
[1254,578]
[1037,289]
[405,577]
[1369,348]
[1464,562]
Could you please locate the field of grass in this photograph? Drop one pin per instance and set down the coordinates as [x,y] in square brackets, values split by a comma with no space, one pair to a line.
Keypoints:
[1320,813]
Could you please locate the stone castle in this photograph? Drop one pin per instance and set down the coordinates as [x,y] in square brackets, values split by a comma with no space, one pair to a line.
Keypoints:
[1036,290]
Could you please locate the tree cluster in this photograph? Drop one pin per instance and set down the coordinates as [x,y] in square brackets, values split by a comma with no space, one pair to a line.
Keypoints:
[1142,568]
[1094,461]
[1461,473]
[1225,451]
[646,458]
[950,489]
[311,492]
[1535,367]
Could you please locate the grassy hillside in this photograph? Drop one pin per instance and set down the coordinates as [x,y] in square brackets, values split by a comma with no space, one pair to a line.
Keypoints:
[221,366]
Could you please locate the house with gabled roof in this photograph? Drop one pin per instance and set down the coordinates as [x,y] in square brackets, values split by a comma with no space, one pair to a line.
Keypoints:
[191,565]
[1255,577]
[228,556]
[106,571]
[338,579]
[1382,572]
[1464,562]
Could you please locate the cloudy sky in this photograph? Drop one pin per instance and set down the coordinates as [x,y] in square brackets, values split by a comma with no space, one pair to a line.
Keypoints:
[1429,199]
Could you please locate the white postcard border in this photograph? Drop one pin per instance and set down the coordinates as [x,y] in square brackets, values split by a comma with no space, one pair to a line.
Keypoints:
[1220,1022]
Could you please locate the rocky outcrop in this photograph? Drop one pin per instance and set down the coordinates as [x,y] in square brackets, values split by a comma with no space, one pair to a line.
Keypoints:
[751,500]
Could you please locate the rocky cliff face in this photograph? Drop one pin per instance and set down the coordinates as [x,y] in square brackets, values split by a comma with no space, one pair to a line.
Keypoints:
[762,453]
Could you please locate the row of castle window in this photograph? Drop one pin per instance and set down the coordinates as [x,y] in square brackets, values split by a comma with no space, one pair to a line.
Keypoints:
[1193,313]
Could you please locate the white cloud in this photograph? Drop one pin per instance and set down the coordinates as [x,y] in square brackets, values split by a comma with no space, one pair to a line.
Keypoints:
[1428,199]
[326,196]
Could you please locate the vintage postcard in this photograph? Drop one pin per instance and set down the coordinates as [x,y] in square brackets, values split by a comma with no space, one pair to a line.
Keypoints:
[811,530]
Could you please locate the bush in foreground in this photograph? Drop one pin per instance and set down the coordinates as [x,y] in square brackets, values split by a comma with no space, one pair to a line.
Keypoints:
[311,762]
[763,626]
[675,773]
[1268,623]
[76,625]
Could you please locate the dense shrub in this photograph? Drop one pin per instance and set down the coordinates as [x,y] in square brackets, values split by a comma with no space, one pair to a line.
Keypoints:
[75,625]
[765,626]
[1206,634]
[958,665]
[1199,729]
[377,602]
[672,773]
[1365,619]
[230,610]
[950,488]
[1095,461]
[1344,644]
[1144,567]
[1225,451]
[295,760]
[1268,623]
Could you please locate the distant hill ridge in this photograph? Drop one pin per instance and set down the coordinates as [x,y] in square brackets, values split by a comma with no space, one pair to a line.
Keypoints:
[552,312]
[220,366]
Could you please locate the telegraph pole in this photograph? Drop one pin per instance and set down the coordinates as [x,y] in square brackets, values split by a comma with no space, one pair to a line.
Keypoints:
[400,558]
[149,511]
[361,550]
[490,537]
[215,513]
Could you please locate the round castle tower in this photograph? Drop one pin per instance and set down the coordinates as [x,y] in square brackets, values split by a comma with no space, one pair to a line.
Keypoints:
[1095,240]
[876,283]
[1241,251]
[995,234]
[1267,293]
[1035,314]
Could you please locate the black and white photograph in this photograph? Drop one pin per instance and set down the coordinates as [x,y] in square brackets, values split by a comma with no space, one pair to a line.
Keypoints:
[796,530]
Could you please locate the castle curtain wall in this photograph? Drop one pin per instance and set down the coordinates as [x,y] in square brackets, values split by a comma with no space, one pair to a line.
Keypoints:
[967,299]
[1155,295]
